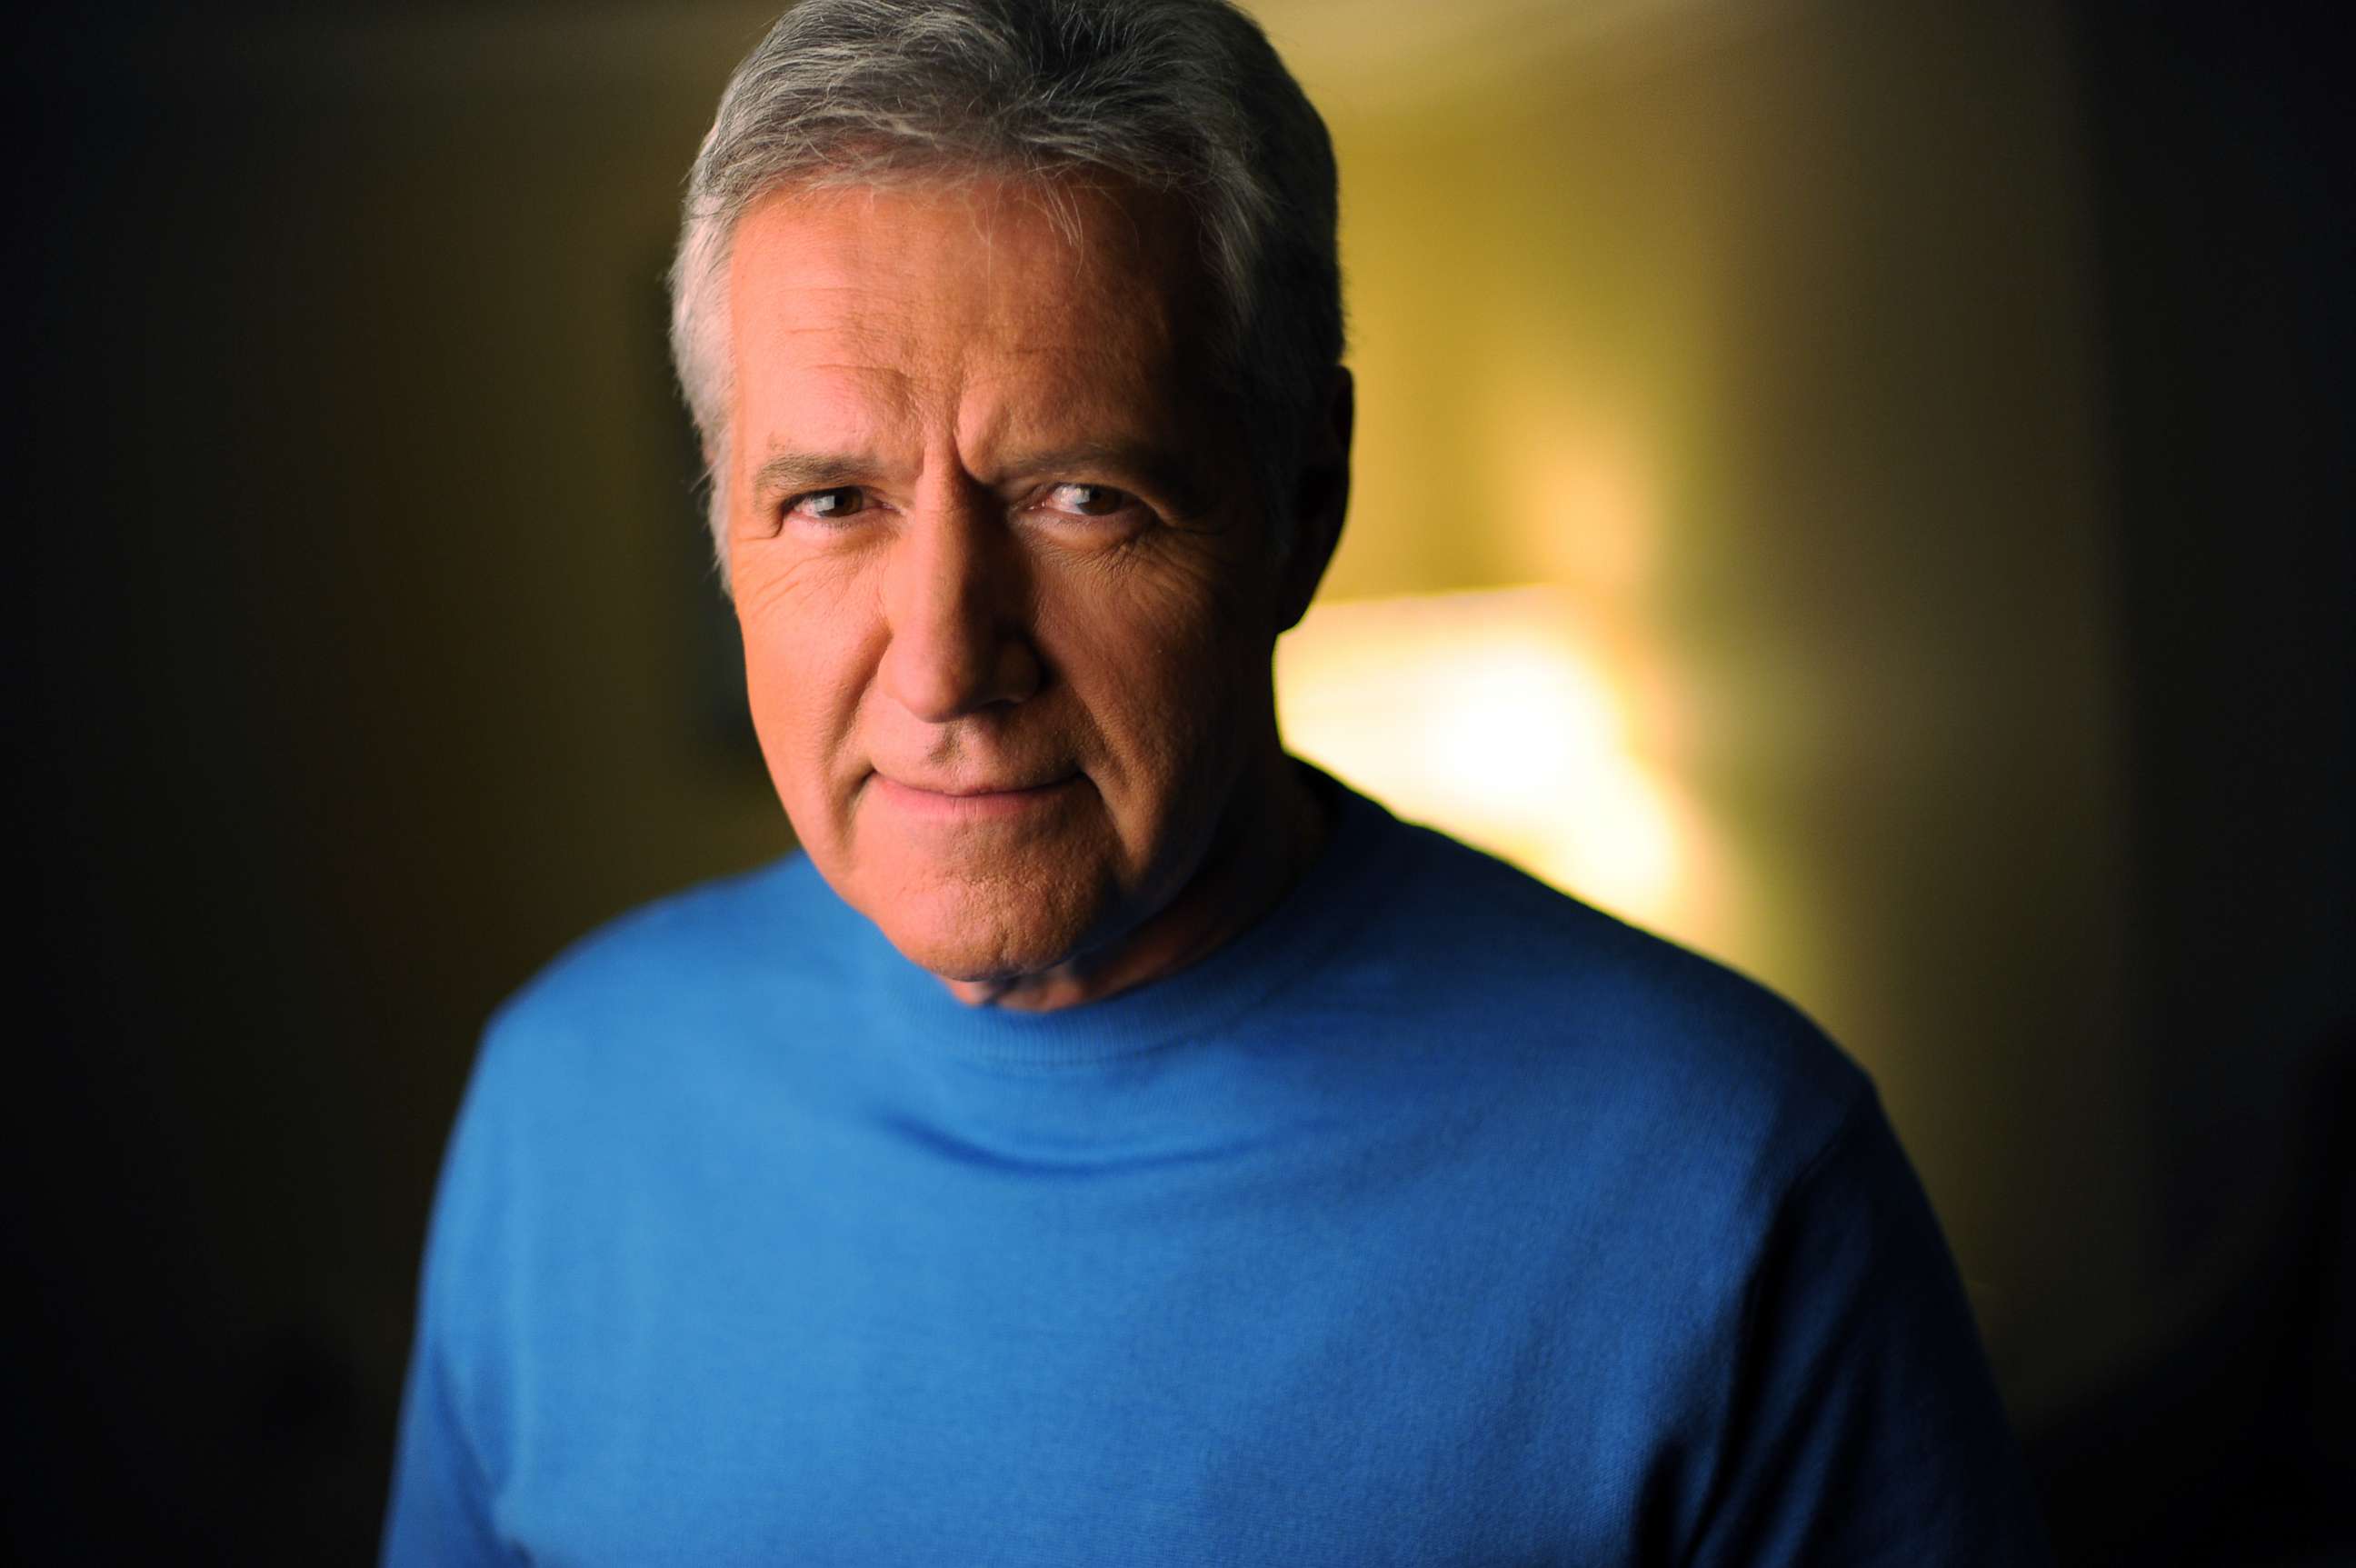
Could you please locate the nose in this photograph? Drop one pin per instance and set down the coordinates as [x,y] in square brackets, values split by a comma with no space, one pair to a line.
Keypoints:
[956,609]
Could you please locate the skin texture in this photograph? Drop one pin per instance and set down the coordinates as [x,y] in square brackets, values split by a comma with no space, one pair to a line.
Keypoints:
[1007,594]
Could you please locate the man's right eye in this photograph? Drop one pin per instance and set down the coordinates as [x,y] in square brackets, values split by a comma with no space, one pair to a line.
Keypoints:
[827,506]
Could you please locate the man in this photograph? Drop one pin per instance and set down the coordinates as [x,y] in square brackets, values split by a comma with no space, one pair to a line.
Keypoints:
[1109,1141]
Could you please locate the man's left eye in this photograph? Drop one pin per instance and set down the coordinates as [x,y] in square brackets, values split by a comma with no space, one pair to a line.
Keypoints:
[1087,500]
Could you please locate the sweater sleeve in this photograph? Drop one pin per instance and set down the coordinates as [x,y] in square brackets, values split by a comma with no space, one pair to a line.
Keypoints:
[439,1511]
[438,1514]
[1866,1428]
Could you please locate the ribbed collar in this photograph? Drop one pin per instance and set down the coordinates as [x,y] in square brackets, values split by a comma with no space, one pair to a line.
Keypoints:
[1361,858]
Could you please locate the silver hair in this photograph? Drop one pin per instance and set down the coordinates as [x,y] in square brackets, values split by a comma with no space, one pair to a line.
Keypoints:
[1185,98]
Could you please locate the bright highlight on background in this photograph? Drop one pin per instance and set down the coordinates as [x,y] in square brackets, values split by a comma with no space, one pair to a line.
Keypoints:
[1486,714]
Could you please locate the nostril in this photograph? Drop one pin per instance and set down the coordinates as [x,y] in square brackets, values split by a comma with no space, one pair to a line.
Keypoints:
[942,678]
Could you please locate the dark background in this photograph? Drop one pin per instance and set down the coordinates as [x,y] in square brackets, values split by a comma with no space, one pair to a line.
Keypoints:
[368,654]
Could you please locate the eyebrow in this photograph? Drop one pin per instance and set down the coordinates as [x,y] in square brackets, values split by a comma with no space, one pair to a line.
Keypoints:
[787,472]
[1166,473]
[1170,476]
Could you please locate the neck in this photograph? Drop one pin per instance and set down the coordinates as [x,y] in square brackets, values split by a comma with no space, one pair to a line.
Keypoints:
[1255,860]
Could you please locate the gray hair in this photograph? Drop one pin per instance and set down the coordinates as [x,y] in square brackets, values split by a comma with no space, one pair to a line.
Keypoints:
[1185,98]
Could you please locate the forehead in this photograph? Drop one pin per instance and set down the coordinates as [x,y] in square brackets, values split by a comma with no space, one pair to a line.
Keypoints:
[973,300]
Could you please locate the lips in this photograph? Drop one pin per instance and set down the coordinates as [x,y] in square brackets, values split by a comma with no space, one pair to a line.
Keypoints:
[966,792]
[966,799]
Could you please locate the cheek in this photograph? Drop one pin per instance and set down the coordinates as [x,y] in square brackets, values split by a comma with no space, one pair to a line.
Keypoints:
[1163,666]
[802,661]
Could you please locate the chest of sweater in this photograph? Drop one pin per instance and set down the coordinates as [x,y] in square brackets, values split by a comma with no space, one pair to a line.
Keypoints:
[870,1335]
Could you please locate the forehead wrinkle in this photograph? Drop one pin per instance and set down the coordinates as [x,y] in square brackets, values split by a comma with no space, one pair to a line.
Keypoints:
[856,368]
[1062,395]
[1044,351]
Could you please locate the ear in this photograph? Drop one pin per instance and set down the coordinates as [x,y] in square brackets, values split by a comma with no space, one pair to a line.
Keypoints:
[1321,496]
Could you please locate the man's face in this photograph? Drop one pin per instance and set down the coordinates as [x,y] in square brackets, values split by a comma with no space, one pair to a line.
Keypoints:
[1007,608]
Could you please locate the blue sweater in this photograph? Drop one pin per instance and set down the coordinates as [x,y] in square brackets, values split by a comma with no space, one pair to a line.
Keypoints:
[1439,1219]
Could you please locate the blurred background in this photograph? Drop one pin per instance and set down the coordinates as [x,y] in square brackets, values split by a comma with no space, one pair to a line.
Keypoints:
[1879,472]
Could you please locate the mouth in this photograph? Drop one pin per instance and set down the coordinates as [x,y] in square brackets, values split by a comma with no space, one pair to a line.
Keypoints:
[968,801]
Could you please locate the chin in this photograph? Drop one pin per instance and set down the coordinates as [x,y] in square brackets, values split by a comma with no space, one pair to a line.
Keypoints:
[985,935]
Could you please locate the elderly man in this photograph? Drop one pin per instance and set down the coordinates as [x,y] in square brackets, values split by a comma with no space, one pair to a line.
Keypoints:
[1109,1140]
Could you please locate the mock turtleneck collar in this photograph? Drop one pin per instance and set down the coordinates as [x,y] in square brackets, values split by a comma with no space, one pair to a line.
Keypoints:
[1362,853]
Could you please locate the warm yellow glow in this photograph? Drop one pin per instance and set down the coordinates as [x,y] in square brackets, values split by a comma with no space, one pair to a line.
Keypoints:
[1488,715]
[1594,524]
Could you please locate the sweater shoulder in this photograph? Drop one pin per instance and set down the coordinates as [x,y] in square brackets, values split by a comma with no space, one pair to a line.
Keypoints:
[708,927]
[692,965]
[1600,1024]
